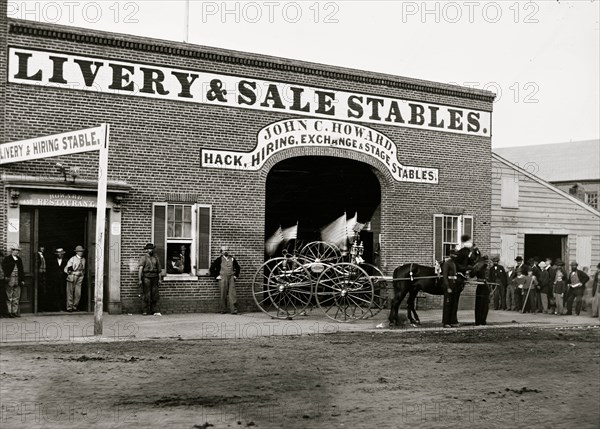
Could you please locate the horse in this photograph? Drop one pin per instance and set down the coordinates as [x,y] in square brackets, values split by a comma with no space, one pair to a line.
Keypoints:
[409,279]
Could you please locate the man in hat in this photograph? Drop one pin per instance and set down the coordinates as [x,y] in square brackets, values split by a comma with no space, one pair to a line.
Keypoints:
[226,270]
[519,265]
[596,293]
[150,277]
[497,275]
[14,278]
[576,281]
[57,281]
[545,286]
[75,270]
[450,286]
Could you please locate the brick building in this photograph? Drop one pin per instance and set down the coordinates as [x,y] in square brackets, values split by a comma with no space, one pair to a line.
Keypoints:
[212,147]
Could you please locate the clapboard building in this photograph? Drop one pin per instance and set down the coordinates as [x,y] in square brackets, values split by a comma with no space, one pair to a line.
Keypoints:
[535,219]
[211,147]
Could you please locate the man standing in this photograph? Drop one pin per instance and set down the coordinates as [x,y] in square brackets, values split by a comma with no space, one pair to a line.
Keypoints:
[482,295]
[545,287]
[75,270]
[596,293]
[57,281]
[498,275]
[226,270]
[520,265]
[449,285]
[14,277]
[149,276]
[576,281]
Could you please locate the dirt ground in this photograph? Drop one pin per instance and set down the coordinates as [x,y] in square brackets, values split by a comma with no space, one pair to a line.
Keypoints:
[495,378]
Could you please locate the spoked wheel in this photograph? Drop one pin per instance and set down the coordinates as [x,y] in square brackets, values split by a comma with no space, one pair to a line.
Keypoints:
[380,288]
[282,288]
[344,292]
[321,252]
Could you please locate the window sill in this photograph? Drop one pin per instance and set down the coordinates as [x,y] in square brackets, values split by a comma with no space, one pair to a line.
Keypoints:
[179,278]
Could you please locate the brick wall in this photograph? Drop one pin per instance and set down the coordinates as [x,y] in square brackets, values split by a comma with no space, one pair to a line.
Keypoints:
[154,141]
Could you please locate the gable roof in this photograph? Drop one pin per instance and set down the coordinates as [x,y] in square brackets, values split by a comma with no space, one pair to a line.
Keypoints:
[546,184]
[557,162]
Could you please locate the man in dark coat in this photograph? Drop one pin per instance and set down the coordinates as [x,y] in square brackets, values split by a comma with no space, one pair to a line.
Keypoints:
[14,278]
[497,274]
[464,257]
[545,287]
[482,293]
[576,281]
[57,281]
[450,286]
[520,265]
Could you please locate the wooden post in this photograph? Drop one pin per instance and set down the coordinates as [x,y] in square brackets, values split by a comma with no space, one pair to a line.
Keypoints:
[100,230]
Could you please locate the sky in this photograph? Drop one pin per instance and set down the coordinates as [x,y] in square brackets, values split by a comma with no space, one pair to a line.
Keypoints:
[540,58]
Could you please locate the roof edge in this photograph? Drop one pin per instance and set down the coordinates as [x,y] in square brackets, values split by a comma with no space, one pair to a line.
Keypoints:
[131,42]
[546,184]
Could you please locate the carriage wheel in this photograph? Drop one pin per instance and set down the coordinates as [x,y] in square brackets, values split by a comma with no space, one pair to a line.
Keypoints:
[380,288]
[282,288]
[345,292]
[321,252]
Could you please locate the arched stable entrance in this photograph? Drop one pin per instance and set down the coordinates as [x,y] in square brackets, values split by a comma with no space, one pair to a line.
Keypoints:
[313,191]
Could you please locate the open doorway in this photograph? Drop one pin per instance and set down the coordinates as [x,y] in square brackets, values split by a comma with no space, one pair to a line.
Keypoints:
[542,246]
[313,191]
[60,228]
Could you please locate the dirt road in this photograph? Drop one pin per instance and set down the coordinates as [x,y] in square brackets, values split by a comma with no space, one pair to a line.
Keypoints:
[496,378]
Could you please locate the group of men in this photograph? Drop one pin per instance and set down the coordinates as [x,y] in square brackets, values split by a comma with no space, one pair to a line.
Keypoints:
[224,268]
[59,279]
[543,287]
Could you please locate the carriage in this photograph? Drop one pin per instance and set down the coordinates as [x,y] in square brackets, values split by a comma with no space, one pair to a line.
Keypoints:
[320,275]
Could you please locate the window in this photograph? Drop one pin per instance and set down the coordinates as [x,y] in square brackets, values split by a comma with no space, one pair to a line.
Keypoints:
[181,233]
[447,230]
[509,193]
[591,198]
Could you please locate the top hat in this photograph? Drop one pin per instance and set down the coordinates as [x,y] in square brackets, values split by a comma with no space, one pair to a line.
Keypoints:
[79,249]
[574,264]
[520,270]
[496,259]
[149,246]
[519,259]
[465,237]
[559,262]
[60,250]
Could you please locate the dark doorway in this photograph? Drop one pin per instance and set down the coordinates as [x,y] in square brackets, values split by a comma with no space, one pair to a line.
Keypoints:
[314,191]
[61,227]
[542,246]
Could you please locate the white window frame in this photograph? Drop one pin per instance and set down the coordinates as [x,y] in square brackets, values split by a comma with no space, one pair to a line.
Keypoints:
[591,199]
[193,241]
[460,230]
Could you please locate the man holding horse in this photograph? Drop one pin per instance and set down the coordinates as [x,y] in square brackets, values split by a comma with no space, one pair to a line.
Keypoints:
[451,290]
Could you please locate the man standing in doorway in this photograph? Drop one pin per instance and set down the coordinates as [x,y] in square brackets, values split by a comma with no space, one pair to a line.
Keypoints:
[57,280]
[40,266]
[226,270]
[14,278]
[75,270]
[149,276]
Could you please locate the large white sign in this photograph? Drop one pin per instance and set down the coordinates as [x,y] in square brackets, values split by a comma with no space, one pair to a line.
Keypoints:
[85,73]
[55,145]
[340,136]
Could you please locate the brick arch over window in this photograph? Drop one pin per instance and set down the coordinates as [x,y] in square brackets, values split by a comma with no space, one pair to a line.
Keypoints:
[381,172]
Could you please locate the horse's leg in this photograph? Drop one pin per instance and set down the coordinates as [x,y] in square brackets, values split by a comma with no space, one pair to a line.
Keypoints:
[399,294]
[410,307]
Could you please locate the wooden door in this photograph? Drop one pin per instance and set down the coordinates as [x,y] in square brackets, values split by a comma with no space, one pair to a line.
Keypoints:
[28,243]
